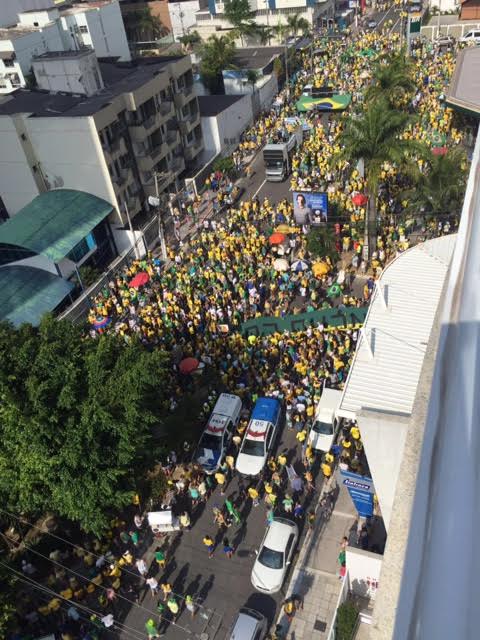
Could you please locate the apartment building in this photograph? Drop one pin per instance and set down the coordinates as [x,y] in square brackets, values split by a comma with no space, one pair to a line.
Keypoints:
[144,123]
[319,13]
[97,25]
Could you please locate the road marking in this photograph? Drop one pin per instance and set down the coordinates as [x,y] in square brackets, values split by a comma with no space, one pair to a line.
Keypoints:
[393,27]
[384,17]
[260,187]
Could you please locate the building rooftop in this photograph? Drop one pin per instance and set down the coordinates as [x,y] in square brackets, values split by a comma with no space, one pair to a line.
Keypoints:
[386,367]
[55,222]
[18,31]
[256,57]
[213,105]
[118,78]
[73,53]
[464,90]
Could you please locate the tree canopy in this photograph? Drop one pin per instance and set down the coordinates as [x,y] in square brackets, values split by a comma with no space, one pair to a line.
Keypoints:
[217,54]
[241,17]
[392,80]
[75,420]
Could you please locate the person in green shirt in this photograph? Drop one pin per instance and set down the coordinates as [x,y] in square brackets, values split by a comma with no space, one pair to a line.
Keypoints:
[160,558]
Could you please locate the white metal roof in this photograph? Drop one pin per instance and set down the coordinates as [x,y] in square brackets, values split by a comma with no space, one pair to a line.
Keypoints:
[390,351]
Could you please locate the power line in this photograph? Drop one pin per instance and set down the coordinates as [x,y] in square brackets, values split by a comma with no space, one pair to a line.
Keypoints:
[118,595]
[76,546]
[122,627]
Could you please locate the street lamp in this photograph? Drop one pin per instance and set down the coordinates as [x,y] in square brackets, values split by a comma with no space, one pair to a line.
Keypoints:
[155,202]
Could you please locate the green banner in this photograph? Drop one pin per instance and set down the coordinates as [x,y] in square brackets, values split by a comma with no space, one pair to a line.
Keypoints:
[328,317]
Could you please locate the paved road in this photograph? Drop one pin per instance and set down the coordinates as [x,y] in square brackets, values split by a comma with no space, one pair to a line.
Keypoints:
[221,586]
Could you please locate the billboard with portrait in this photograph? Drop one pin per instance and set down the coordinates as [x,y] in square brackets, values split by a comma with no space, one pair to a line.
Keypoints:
[310,208]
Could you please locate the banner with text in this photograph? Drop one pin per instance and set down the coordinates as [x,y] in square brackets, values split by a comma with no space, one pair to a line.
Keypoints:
[361,491]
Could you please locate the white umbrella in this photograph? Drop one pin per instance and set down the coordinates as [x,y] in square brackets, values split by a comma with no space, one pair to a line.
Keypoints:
[280,264]
[299,265]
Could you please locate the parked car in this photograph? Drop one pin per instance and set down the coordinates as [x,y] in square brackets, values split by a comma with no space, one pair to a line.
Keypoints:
[444,41]
[218,433]
[259,436]
[325,423]
[248,625]
[372,24]
[415,8]
[471,36]
[274,555]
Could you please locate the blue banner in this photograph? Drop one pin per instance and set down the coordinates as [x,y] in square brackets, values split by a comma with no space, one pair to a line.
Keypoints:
[361,491]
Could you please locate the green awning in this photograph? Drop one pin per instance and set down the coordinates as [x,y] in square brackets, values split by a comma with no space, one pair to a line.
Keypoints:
[28,293]
[337,102]
[55,222]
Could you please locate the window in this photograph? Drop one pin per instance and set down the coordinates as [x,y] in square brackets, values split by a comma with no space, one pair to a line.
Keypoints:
[82,248]
[23,137]
[83,29]
[289,546]
[270,558]
[9,63]
[34,168]
[253,447]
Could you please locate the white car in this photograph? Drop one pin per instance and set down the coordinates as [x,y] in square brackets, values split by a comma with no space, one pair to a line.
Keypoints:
[274,556]
[259,436]
[471,36]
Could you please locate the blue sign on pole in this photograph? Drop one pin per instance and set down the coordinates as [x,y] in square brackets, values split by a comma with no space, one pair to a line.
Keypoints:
[361,491]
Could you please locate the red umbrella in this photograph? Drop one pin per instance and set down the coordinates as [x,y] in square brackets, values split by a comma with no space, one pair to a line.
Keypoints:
[188,365]
[359,199]
[439,151]
[277,238]
[139,280]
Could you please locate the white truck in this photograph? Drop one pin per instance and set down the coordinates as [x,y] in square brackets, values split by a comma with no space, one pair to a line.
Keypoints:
[277,155]
[325,422]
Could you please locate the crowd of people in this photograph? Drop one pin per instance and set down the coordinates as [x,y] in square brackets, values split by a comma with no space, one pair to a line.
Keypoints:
[195,306]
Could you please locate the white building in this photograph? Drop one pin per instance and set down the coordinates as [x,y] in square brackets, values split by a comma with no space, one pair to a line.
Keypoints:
[72,71]
[210,19]
[145,122]
[224,119]
[9,9]
[97,25]
[182,16]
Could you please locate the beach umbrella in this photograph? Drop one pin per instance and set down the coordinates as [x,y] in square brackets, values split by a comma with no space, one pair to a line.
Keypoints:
[101,322]
[280,264]
[320,269]
[283,228]
[299,265]
[439,151]
[277,238]
[364,75]
[139,280]
[359,199]
[188,365]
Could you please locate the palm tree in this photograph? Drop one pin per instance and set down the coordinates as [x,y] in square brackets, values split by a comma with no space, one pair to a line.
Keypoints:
[282,31]
[217,54]
[373,137]
[392,79]
[189,40]
[297,23]
[241,17]
[252,76]
[321,243]
[440,188]
[143,25]
[265,34]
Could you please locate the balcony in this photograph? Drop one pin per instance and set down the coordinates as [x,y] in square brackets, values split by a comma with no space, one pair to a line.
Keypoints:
[193,149]
[188,123]
[183,96]
[112,147]
[145,162]
[121,178]
[178,164]
[140,130]
[166,108]
[172,137]
[133,203]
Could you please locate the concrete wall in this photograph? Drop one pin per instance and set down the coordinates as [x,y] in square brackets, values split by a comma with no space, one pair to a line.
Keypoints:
[446,6]
[456,29]
[35,43]
[383,436]
[224,129]
[74,75]
[157,8]
[9,9]
[363,572]
[17,185]
[107,32]
[266,87]
[182,16]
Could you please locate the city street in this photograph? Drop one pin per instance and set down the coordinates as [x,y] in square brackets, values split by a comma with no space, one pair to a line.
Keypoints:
[220,585]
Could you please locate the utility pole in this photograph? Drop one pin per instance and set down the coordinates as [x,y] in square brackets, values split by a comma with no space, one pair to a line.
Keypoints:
[135,248]
[161,231]
[438,18]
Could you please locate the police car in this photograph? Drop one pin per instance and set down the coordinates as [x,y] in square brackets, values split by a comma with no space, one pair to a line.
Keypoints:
[259,436]
[218,433]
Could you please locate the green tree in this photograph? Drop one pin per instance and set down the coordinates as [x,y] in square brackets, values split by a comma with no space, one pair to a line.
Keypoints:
[392,80]
[347,615]
[142,25]
[438,189]
[241,17]
[189,40]
[217,54]
[225,165]
[297,24]
[252,77]
[265,34]
[8,601]
[373,137]
[321,243]
[76,417]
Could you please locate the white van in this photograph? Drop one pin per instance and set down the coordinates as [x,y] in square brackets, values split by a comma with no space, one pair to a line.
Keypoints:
[219,431]
[471,36]
[325,423]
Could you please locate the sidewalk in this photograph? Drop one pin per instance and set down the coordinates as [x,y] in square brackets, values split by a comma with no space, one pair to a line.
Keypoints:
[315,577]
